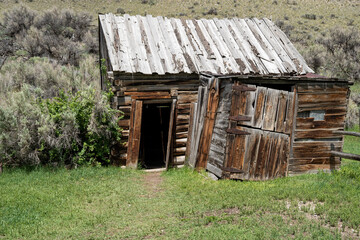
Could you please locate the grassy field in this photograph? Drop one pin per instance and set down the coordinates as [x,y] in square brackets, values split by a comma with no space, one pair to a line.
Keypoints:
[305,19]
[113,203]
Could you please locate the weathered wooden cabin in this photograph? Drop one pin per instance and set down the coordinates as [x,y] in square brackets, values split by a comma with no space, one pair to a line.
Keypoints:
[232,96]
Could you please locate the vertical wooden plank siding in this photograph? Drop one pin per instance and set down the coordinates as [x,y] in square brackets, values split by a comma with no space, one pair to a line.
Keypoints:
[204,146]
[201,107]
[290,112]
[270,109]
[281,113]
[218,150]
[135,134]
[259,107]
[264,153]
[131,134]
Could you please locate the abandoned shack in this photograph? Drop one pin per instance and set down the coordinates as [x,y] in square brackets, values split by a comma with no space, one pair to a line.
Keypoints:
[232,96]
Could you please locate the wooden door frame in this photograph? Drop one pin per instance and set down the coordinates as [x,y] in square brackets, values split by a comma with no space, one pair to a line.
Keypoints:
[135,129]
[134,134]
[172,124]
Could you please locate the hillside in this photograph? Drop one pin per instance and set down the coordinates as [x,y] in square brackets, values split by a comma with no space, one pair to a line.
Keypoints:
[304,20]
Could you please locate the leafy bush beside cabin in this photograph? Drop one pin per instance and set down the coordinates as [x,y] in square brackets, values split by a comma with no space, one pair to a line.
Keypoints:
[51,110]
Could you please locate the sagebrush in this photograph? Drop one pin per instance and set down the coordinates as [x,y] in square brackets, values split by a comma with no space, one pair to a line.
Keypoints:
[61,35]
[72,129]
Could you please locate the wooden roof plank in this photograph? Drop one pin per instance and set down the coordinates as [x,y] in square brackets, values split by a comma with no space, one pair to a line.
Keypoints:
[256,47]
[154,59]
[109,37]
[231,44]
[133,53]
[185,44]
[157,45]
[273,40]
[174,47]
[255,65]
[124,62]
[289,47]
[204,64]
[267,47]
[140,46]
[216,55]
[163,52]
[230,64]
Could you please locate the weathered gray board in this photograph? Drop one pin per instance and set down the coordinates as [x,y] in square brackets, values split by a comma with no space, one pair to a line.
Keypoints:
[200,112]
[218,142]
[268,116]
[315,139]
[160,45]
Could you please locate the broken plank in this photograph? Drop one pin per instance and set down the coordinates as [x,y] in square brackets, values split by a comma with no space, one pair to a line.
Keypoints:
[243,88]
[240,118]
[237,131]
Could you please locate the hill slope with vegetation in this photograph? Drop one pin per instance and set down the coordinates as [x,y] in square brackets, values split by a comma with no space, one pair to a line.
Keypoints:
[49,57]
[51,109]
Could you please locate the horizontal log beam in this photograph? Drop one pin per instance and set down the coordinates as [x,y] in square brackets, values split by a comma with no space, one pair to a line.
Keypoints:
[243,88]
[346,155]
[240,118]
[356,134]
[237,131]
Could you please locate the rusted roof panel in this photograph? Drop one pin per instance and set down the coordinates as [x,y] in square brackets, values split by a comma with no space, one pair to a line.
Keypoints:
[160,45]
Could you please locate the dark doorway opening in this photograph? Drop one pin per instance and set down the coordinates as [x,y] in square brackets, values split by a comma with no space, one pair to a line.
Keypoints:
[154,135]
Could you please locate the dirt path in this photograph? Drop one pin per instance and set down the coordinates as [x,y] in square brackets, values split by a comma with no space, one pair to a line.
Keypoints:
[152,182]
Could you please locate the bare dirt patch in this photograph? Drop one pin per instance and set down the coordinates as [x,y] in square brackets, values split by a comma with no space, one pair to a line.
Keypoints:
[152,182]
[308,208]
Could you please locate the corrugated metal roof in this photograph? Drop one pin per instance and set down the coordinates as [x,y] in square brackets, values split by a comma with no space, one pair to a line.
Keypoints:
[160,45]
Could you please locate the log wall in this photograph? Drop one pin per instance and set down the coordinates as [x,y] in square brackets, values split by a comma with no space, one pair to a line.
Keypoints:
[314,138]
[155,89]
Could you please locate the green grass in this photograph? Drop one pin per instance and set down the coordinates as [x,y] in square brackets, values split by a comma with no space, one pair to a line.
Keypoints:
[100,203]
[355,88]
[351,143]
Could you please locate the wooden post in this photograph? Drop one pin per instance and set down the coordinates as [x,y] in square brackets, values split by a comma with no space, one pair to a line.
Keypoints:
[190,130]
[170,134]
[134,134]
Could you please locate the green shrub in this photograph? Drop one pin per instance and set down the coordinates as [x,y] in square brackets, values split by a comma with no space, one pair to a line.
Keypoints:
[71,129]
[342,48]
[18,20]
[64,36]
[48,75]
[20,119]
